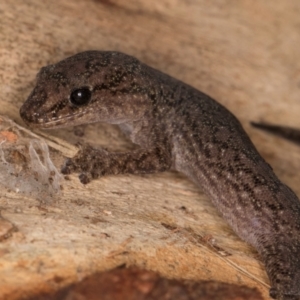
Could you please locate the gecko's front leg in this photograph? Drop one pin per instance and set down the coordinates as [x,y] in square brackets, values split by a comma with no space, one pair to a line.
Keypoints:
[93,163]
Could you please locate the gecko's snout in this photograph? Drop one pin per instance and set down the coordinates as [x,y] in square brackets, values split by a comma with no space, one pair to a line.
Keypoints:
[23,113]
[27,114]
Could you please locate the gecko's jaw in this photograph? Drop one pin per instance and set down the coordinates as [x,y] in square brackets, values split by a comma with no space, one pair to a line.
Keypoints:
[45,121]
[53,123]
[46,124]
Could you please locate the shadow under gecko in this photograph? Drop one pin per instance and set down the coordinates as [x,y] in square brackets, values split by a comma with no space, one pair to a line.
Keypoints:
[179,127]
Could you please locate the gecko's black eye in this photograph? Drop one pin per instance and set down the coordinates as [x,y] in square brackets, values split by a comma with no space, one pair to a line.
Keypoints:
[81,96]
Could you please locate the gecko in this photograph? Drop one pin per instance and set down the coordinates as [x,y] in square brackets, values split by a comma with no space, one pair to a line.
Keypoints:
[174,126]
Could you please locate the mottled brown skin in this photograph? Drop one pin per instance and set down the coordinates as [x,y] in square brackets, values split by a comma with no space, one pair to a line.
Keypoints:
[176,126]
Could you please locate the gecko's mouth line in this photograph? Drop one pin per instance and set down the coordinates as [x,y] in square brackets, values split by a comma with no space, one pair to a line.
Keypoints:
[57,122]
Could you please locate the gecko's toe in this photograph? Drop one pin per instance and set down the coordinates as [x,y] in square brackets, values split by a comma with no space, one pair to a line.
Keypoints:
[273,293]
[68,167]
[85,178]
[65,170]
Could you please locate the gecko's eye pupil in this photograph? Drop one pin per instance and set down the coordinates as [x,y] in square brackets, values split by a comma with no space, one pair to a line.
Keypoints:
[81,96]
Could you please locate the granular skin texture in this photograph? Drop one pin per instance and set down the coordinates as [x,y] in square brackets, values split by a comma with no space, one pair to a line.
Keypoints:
[175,127]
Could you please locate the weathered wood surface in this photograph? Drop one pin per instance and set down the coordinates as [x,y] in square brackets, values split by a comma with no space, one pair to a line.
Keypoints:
[243,53]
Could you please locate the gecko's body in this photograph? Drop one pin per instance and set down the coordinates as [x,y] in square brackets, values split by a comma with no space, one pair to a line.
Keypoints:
[176,126]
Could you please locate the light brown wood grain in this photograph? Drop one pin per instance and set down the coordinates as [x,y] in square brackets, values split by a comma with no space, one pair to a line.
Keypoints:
[243,53]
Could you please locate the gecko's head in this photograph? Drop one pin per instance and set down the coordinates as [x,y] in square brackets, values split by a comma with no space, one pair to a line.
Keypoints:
[87,87]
